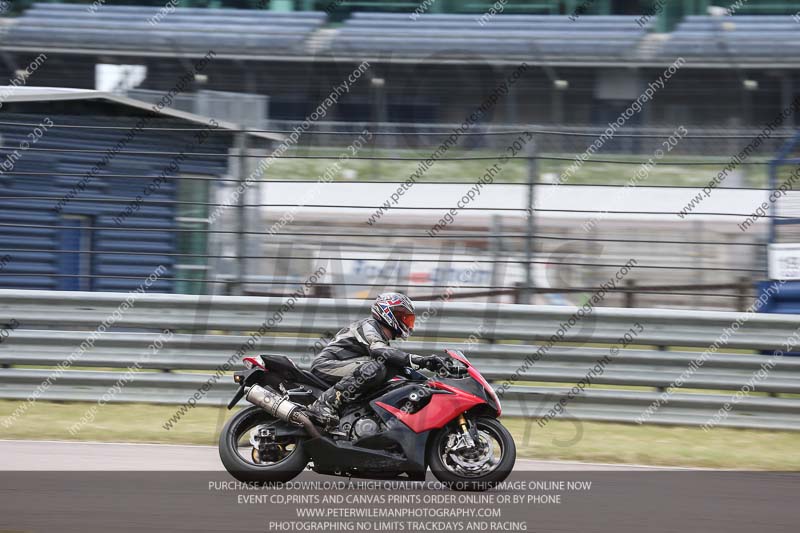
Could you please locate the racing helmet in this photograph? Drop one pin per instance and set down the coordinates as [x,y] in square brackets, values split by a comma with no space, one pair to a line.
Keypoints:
[396,312]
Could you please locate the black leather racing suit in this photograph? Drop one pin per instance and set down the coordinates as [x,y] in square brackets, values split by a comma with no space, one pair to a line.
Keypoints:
[359,360]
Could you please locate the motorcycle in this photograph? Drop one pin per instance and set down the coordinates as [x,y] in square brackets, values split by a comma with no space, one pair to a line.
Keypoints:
[447,423]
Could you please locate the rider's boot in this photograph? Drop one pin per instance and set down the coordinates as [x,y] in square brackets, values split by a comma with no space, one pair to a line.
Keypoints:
[326,408]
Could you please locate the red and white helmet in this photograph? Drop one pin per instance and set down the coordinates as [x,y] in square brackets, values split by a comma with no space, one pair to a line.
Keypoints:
[396,312]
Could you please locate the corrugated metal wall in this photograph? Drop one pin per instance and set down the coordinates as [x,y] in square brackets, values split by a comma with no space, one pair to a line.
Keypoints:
[40,257]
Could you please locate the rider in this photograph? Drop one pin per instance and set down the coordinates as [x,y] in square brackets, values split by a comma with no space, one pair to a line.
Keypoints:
[359,358]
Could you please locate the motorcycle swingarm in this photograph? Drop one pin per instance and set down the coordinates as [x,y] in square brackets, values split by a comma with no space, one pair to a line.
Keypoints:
[288,430]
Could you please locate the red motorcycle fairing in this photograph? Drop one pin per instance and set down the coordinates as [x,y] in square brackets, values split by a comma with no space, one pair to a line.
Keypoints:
[448,398]
[477,376]
[442,408]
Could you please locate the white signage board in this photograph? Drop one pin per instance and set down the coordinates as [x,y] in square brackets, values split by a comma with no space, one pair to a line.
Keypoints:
[784,261]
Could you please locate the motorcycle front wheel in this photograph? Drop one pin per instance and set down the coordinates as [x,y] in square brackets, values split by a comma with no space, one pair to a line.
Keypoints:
[476,468]
[251,453]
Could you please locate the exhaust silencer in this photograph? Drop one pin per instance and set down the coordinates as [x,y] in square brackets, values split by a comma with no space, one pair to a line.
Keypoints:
[279,407]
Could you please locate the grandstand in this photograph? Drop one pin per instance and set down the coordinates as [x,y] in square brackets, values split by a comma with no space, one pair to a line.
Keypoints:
[735,39]
[135,28]
[587,67]
[520,37]
[505,37]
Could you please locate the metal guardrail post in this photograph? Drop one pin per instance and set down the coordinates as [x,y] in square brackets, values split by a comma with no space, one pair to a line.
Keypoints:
[741,301]
[630,294]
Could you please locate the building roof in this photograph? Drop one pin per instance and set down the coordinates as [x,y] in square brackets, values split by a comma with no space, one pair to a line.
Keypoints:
[36,94]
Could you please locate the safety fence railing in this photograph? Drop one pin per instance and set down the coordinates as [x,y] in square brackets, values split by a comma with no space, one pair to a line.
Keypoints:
[588,363]
[326,193]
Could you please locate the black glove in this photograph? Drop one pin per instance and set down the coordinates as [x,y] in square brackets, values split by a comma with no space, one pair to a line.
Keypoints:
[431,362]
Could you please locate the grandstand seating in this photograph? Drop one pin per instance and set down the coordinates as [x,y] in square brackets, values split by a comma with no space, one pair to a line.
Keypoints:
[507,35]
[48,26]
[736,37]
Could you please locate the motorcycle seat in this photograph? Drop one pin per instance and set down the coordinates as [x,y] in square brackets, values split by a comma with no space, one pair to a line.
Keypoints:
[279,363]
[283,365]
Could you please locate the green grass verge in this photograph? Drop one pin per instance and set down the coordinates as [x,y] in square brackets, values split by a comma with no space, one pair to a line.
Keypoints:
[669,171]
[592,442]
[745,449]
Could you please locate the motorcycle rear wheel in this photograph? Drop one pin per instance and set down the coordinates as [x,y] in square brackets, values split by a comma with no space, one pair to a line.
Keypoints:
[241,461]
[476,469]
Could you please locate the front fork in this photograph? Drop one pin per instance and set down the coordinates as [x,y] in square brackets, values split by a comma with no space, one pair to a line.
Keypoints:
[469,433]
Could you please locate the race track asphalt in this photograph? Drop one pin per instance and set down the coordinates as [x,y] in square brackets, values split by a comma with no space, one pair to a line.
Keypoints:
[50,486]
[101,456]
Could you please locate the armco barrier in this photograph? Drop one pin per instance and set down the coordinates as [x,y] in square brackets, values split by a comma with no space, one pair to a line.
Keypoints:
[209,329]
